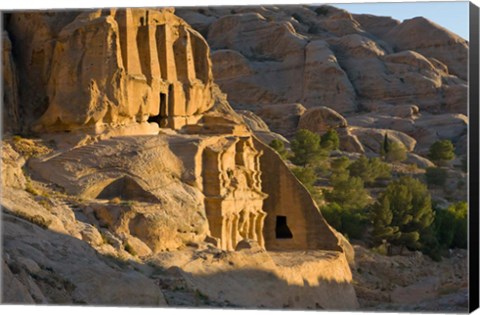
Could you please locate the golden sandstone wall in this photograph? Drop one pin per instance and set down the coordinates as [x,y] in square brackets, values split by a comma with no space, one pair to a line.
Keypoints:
[95,71]
[112,67]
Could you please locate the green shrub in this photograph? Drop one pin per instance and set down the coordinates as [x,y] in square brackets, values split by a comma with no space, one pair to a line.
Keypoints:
[451,225]
[402,214]
[441,151]
[128,248]
[436,176]
[350,222]
[397,152]
[370,169]
[332,212]
[348,192]
[330,141]
[393,151]
[306,148]
[306,175]
[279,146]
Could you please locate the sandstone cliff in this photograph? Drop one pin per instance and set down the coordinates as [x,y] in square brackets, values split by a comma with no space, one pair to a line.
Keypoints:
[110,67]
[136,154]
[369,69]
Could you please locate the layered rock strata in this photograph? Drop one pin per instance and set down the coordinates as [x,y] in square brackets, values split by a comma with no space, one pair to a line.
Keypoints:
[113,67]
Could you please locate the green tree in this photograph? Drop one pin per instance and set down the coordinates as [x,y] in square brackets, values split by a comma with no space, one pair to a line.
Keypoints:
[393,151]
[396,152]
[279,146]
[369,169]
[306,148]
[441,151]
[435,176]
[402,214]
[386,145]
[451,225]
[461,217]
[330,141]
[306,175]
[339,165]
[333,213]
[348,192]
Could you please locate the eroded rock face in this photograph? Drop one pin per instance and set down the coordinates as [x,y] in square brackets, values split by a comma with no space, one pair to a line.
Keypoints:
[210,181]
[282,118]
[321,119]
[293,220]
[11,106]
[324,56]
[431,40]
[233,192]
[143,65]
[42,267]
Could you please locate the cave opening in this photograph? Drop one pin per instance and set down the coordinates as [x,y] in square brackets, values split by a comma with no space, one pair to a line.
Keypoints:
[282,231]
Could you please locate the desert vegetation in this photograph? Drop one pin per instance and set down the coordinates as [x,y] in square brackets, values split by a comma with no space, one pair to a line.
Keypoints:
[366,200]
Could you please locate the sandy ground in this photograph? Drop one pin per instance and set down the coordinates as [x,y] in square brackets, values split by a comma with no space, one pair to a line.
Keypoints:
[411,282]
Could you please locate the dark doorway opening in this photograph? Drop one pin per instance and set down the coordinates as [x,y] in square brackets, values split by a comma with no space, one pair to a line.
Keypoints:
[162,111]
[163,104]
[281,228]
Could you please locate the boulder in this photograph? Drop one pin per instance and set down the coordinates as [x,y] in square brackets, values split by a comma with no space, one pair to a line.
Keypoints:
[431,128]
[321,119]
[325,83]
[432,40]
[416,159]
[376,25]
[372,138]
[12,163]
[349,142]
[281,118]
[260,128]
[91,235]
[70,271]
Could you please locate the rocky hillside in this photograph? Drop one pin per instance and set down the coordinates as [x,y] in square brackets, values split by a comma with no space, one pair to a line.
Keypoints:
[136,166]
[127,178]
[379,73]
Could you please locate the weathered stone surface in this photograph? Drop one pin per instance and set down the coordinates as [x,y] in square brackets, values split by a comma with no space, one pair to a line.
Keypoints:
[402,111]
[302,279]
[349,142]
[281,118]
[290,205]
[321,119]
[247,244]
[12,163]
[260,128]
[376,25]
[32,36]
[151,175]
[431,40]
[424,128]
[197,20]
[17,292]
[261,67]
[145,65]
[372,138]
[431,128]
[70,271]
[11,106]
[325,82]
[421,162]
